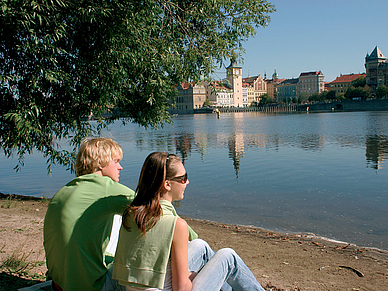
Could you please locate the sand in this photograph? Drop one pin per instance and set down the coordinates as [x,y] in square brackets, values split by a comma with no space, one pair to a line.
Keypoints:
[280,261]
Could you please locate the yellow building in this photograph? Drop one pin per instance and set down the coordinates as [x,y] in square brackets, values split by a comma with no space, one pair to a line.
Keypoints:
[341,84]
[272,84]
[250,92]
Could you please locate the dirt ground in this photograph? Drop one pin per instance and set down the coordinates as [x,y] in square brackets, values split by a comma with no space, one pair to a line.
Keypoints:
[279,261]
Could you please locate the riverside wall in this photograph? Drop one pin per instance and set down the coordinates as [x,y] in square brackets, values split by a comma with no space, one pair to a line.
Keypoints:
[359,105]
[335,106]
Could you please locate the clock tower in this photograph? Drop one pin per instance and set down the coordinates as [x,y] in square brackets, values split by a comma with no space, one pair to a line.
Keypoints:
[234,76]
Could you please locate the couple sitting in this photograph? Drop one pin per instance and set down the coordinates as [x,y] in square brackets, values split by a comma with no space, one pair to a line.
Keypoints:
[157,250]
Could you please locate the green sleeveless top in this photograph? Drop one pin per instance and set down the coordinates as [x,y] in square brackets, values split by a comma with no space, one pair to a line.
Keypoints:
[141,260]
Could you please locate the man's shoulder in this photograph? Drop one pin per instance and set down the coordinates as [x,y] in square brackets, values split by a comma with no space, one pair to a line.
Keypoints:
[92,183]
[102,181]
[118,187]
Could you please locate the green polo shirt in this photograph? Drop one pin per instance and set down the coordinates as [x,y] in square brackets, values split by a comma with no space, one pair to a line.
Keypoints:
[77,228]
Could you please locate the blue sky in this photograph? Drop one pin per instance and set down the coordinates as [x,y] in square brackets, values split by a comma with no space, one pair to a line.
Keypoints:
[306,35]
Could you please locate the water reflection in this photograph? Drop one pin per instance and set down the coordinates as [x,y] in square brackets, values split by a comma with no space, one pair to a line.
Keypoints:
[237,134]
[236,150]
[376,150]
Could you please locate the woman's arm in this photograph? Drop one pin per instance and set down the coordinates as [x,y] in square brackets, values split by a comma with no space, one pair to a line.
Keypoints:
[179,257]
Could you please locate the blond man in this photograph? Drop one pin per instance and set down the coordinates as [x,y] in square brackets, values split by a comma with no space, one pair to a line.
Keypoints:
[79,218]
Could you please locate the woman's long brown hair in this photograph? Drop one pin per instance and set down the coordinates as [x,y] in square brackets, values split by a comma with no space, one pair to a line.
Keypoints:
[145,208]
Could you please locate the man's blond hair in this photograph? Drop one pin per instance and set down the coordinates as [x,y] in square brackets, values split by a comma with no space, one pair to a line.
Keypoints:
[94,153]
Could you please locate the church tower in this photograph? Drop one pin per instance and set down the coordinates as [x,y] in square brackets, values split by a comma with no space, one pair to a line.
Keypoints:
[234,76]
[376,65]
[275,75]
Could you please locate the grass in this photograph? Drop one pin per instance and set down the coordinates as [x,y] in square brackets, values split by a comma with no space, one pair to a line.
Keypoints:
[44,200]
[9,202]
[17,270]
[17,263]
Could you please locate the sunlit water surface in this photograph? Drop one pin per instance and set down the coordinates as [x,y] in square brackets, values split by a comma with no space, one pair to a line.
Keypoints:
[321,173]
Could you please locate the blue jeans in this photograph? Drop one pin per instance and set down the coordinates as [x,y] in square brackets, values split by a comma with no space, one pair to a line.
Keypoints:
[110,283]
[223,270]
[199,254]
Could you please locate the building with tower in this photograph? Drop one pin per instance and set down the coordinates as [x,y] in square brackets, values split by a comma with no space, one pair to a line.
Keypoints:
[234,77]
[272,84]
[376,65]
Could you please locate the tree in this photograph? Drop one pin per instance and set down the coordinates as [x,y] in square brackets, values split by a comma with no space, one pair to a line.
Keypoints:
[316,97]
[341,96]
[359,92]
[359,82]
[62,61]
[330,95]
[207,103]
[303,97]
[382,92]
[265,99]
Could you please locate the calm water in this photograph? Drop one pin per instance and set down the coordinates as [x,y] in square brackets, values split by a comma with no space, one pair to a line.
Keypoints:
[318,173]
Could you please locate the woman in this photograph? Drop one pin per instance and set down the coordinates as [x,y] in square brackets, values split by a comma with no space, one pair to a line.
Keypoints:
[153,248]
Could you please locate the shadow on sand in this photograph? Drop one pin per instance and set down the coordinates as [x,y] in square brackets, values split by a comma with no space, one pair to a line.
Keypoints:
[10,282]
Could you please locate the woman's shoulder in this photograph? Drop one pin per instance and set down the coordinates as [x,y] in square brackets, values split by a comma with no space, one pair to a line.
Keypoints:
[181,222]
[181,227]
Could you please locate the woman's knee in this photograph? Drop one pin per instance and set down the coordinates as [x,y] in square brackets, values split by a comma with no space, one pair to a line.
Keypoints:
[227,252]
[201,246]
[199,243]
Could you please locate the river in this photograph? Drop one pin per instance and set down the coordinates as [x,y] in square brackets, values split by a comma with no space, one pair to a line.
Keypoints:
[321,173]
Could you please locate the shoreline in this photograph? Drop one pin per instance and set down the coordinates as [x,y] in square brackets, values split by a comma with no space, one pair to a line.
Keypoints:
[286,232]
[252,228]
[289,233]
[280,261]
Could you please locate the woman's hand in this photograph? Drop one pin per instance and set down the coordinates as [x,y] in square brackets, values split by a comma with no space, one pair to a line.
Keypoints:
[192,276]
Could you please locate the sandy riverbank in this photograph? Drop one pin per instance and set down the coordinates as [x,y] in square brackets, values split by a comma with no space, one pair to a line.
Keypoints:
[278,260]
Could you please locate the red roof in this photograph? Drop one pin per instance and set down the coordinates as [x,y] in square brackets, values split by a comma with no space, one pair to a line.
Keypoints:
[219,85]
[270,81]
[347,78]
[185,86]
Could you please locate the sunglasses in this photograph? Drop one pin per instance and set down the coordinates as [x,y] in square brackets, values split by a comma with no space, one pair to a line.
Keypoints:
[182,179]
